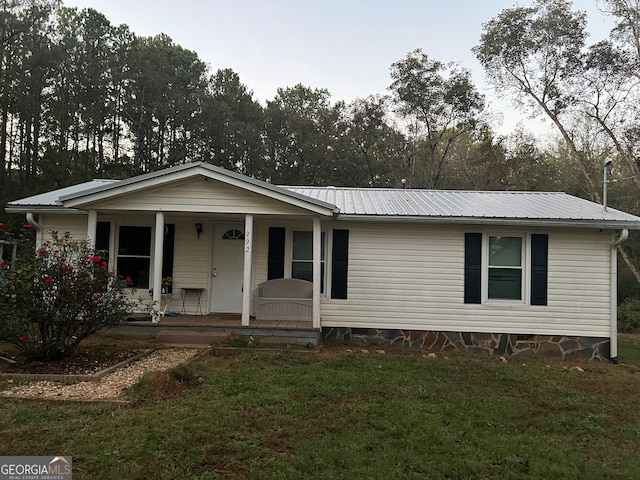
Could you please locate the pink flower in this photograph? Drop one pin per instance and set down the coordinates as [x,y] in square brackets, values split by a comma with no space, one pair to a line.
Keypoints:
[42,251]
[104,264]
[1,225]
[96,258]
[48,280]
[56,251]
[23,338]
[27,226]
[3,263]
[128,279]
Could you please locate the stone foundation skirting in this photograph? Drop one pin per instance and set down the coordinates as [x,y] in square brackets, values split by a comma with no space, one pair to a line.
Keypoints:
[517,345]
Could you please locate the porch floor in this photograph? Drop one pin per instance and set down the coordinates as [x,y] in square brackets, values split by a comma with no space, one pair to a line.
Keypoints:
[301,332]
[231,320]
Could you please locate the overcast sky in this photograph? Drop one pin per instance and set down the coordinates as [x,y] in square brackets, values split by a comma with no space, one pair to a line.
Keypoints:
[345,46]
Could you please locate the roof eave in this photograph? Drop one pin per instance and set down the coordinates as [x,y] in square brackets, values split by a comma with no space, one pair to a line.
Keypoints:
[518,222]
[42,209]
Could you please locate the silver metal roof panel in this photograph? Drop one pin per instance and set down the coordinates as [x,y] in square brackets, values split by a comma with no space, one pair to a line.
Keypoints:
[531,208]
[51,200]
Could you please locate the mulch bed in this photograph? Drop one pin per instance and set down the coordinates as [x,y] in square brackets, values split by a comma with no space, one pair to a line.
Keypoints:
[91,356]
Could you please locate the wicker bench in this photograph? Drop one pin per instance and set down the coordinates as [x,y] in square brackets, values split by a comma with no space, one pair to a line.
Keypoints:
[284,299]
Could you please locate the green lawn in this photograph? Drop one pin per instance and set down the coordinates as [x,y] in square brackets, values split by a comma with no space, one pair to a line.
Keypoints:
[335,413]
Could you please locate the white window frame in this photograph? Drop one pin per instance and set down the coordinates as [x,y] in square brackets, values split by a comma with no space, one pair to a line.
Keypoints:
[116,247]
[525,261]
[288,253]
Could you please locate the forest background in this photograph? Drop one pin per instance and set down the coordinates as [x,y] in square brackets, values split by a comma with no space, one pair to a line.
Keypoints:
[81,98]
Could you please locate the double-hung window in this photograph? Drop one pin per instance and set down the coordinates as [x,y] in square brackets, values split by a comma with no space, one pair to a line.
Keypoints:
[505,267]
[134,255]
[302,257]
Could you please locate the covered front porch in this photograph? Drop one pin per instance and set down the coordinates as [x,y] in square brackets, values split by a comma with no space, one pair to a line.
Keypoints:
[197,239]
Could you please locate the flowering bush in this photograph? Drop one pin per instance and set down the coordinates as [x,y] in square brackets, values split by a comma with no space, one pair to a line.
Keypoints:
[51,302]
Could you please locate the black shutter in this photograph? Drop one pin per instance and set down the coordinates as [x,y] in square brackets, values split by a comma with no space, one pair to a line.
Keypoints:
[103,233]
[472,267]
[539,267]
[168,248]
[275,263]
[339,263]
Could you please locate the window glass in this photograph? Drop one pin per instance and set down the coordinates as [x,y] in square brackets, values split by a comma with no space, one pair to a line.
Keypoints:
[137,269]
[505,268]
[505,283]
[302,257]
[233,234]
[134,255]
[135,241]
[303,246]
[505,251]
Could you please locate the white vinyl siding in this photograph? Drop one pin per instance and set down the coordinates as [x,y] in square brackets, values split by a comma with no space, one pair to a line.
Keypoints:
[199,196]
[190,262]
[76,225]
[412,277]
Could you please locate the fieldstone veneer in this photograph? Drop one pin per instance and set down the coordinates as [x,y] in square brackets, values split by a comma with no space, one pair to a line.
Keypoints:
[585,348]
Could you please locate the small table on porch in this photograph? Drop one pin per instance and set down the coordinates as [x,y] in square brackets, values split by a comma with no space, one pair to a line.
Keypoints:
[184,292]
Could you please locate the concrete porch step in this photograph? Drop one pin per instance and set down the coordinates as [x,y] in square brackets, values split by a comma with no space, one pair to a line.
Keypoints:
[189,337]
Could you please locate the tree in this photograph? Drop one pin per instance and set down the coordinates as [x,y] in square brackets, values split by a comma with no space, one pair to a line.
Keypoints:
[440,103]
[232,121]
[370,151]
[300,136]
[536,52]
[163,107]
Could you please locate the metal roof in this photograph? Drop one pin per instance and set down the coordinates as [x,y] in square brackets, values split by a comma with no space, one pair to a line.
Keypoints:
[443,206]
[51,200]
[524,208]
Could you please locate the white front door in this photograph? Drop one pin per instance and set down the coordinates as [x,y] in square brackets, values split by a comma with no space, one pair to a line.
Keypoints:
[227,269]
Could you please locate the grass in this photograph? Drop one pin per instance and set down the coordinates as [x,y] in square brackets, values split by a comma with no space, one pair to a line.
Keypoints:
[335,414]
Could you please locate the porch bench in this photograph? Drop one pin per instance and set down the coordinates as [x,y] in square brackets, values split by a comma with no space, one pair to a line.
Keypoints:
[284,299]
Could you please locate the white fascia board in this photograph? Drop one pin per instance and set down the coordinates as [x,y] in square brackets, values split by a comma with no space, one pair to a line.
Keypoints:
[43,209]
[578,223]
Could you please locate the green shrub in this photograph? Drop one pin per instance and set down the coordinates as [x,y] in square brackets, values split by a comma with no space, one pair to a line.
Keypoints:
[50,302]
[629,316]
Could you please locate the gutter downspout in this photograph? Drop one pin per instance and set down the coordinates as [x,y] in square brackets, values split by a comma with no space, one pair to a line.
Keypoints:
[613,333]
[32,221]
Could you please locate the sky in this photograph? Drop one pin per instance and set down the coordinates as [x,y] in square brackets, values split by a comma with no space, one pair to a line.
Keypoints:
[344,46]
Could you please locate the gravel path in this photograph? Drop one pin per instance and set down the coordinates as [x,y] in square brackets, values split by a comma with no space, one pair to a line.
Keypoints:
[110,386]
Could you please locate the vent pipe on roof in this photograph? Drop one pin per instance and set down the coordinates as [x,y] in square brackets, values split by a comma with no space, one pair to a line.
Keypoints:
[605,183]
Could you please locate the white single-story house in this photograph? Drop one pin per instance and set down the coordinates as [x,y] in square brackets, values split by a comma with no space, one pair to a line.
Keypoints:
[510,273]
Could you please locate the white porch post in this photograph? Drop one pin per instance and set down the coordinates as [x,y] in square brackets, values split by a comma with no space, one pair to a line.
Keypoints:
[248,258]
[92,228]
[157,267]
[317,279]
